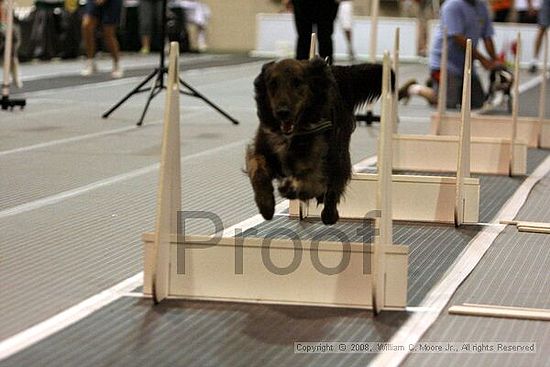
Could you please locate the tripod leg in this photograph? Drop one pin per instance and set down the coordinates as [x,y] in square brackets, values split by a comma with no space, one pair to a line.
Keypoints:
[156,87]
[130,94]
[207,101]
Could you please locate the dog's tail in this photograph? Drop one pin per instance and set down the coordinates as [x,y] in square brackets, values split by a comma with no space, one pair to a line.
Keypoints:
[360,84]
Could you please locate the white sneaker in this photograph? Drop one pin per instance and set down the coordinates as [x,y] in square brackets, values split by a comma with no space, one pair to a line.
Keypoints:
[89,69]
[117,72]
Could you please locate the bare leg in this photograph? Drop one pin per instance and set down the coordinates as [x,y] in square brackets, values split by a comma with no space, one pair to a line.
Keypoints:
[111,41]
[412,88]
[89,24]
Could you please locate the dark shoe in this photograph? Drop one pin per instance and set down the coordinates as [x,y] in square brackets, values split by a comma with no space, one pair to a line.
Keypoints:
[403,92]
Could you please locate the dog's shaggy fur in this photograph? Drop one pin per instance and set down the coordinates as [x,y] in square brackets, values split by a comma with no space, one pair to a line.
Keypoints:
[306,120]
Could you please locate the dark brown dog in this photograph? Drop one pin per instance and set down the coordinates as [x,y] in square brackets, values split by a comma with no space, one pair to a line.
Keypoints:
[306,120]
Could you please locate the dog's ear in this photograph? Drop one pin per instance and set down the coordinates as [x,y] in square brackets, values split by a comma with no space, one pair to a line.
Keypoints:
[259,82]
[260,90]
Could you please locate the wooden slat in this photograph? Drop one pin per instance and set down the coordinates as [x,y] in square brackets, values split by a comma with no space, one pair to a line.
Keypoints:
[501,311]
[463,169]
[169,191]
[383,197]
[515,101]
[542,94]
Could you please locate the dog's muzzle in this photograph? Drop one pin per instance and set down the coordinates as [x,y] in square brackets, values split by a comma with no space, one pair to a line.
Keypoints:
[284,115]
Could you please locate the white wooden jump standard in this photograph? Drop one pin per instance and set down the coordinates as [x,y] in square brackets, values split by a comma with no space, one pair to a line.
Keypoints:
[415,198]
[210,270]
[534,131]
[436,153]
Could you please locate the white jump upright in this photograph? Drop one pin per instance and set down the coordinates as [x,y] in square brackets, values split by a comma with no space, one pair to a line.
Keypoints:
[463,169]
[169,190]
[383,222]
[264,270]
[533,131]
[544,136]
[437,153]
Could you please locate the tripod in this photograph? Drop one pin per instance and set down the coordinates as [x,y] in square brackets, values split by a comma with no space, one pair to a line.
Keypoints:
[158,74]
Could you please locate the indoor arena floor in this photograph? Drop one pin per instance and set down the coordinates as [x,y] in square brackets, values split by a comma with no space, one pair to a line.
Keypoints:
[78,192]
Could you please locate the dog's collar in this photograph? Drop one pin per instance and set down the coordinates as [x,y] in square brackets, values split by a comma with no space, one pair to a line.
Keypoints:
[318,128]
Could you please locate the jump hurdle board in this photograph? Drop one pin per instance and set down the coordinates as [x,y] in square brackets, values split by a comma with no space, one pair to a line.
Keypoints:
[210,272]
[415,199]
[433,153]
[528,128]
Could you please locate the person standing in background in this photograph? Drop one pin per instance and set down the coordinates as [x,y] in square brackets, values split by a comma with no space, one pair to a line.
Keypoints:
[345,18]
[106,12]
[308,13]
[527,10]
[150,17]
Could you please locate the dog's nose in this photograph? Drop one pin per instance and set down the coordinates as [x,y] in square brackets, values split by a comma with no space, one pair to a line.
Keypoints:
[283,113]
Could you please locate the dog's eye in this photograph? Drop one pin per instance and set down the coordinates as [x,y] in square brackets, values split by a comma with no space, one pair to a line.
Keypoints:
[272,84]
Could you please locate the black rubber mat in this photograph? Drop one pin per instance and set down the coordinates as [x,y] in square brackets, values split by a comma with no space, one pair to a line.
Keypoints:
[513,272]
[130,332]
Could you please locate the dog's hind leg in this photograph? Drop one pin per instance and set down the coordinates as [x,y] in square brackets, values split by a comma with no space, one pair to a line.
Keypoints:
[261,178]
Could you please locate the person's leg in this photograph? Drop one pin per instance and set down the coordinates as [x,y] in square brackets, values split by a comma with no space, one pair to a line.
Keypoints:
[345,18]
[325,26]
[109,33]
[412,88]
[89,23]
[477,94]
[304,27]
[544,22]
[454,90]
[145,14]
[110,19]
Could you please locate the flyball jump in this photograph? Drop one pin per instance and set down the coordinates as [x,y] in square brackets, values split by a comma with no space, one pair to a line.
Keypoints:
[418,198]
[535,131]
[438,153]
[208,273]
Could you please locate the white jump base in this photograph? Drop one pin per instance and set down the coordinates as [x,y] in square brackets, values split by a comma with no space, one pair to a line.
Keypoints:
[434,153]
[528,128]
[210,273]
[415,199]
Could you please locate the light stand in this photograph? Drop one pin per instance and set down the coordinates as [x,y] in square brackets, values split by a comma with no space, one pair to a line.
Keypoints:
[158,85]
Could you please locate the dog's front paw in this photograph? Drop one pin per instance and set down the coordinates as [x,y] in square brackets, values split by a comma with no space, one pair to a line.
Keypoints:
[287,188]
[266,204]
[329,216]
